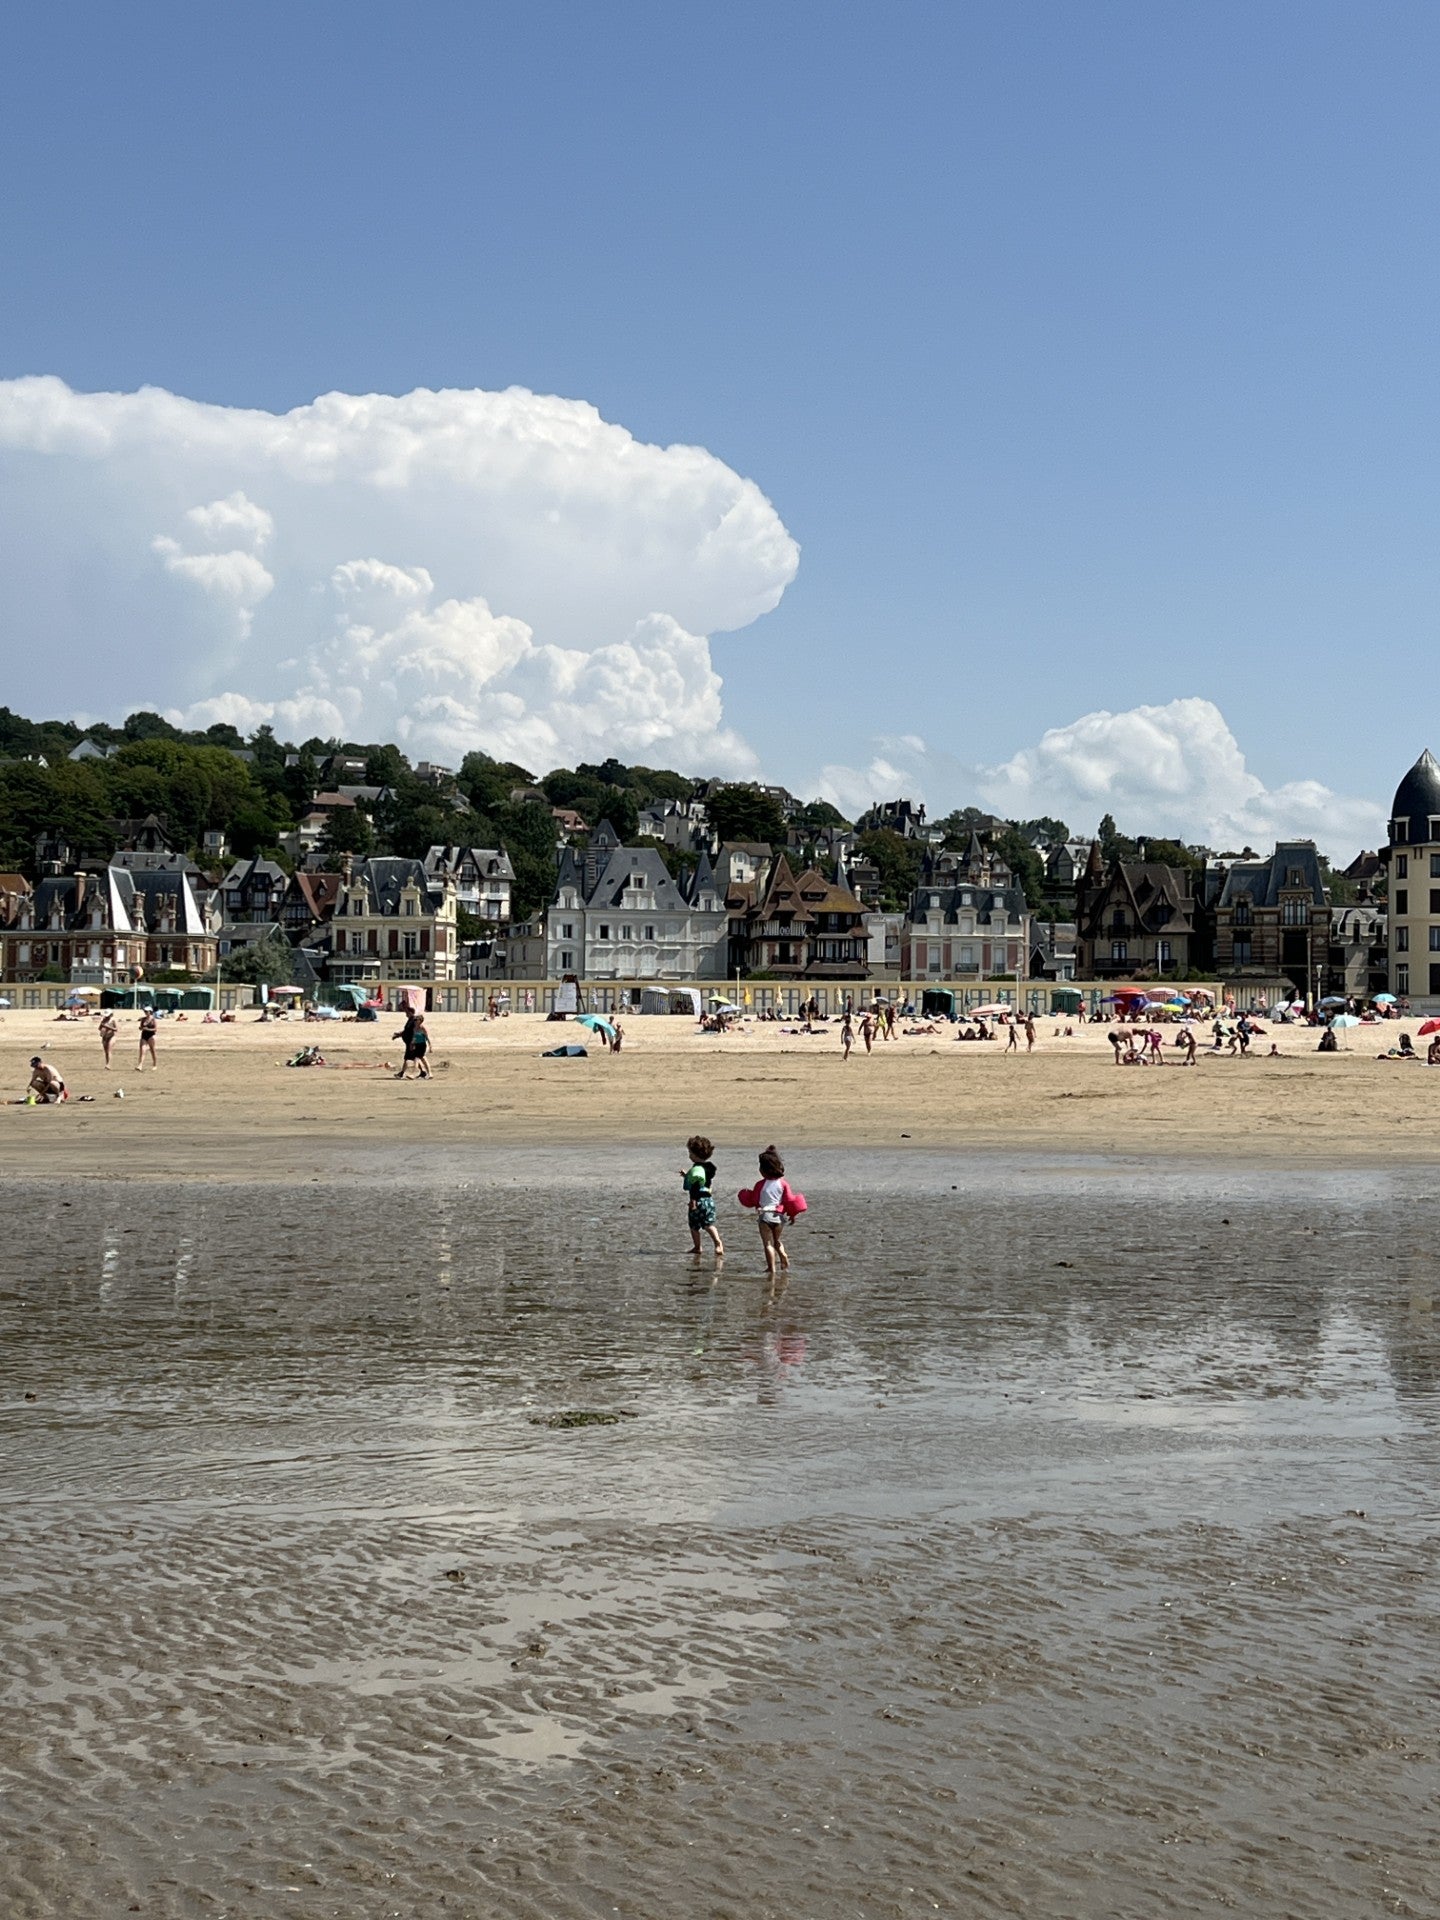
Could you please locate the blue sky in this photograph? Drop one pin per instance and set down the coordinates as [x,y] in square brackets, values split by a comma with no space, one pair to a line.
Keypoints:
[1088,353]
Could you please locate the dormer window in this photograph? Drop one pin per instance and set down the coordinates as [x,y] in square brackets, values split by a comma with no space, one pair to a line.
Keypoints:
[1399,832]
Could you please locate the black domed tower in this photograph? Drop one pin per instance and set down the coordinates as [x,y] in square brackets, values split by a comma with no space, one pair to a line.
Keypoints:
[1415,884]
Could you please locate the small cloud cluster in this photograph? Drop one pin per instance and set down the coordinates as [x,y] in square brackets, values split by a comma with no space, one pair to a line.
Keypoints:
[1176,770]
[538,582]
[228,572]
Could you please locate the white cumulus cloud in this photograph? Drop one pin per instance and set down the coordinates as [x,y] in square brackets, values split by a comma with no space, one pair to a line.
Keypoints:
[545,581]
[1176,770]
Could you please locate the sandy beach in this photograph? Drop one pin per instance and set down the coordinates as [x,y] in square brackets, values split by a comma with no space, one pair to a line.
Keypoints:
[1052,1545]
[223,1105]
[395,1519]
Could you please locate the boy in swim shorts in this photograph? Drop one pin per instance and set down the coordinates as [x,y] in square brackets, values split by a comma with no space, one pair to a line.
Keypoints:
[698,1180]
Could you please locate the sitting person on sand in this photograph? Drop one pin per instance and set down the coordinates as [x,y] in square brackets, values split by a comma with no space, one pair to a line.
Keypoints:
[1432,1057]
[1328,1043]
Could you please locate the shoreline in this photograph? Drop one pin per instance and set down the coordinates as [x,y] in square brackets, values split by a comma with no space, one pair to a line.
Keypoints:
[223,1105]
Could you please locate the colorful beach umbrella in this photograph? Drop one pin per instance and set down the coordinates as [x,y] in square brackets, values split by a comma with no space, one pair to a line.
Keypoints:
[1345,1020]
[1384,999]
[1431,1026]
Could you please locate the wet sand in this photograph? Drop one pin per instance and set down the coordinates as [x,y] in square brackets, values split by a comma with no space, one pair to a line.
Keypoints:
[1061,1541]
[224,1106]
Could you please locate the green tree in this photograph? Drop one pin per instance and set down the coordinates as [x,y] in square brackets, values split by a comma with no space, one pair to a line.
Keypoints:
[1046,825]
[1114,845]
[1171,853]
[488,783]
[660,783]
[260,963]
[346,830]
[384,766]
[899,862]
[1024,862]
[744,812]
[527,831]
[149,726]
[816,815]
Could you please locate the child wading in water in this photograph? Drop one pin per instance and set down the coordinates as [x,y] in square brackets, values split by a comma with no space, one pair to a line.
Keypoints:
[771,1200]
[699,1179]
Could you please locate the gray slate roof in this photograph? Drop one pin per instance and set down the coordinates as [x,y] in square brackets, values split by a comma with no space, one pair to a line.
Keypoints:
[1263,880]
[1417,798]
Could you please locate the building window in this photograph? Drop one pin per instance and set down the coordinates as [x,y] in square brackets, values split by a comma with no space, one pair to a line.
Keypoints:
[1402,939]
[1399,831]
[567,932]
[1119,950]
[604,931]
[567,961]
[1165,954]
[649,933]
[1402,979]
[1402,865]
[1435,939]
[627,933]
[1242,911]
[1402,900]
[1435,899]
[1242,950]
[967,956]
[1294,913]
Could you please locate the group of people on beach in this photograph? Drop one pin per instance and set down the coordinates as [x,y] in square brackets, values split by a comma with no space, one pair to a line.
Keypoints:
[772,1199]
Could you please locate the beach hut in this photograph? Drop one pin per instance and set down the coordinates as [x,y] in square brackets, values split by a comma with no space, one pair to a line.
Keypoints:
[937,1003]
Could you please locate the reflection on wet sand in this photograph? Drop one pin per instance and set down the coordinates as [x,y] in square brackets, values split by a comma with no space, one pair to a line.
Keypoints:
[1053,1542]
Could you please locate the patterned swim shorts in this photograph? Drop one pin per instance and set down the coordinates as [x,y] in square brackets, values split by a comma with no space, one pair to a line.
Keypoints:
[702,1212]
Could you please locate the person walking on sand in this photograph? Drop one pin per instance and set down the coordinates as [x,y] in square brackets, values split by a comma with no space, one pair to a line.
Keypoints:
[867,1030]
[417,1047]
[108,1030]
[1029,1033]
[1188,1041]
[149,1027]
[1012,1043]
[406,1036]
[847,1035]
[698,1180]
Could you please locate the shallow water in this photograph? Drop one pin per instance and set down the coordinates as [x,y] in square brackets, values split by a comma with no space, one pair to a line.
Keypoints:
[1061,1540]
